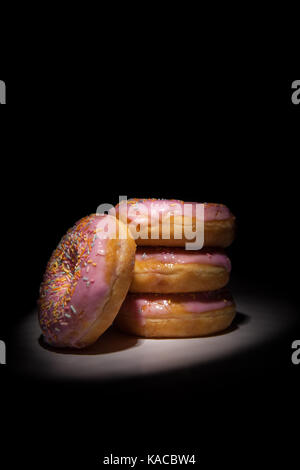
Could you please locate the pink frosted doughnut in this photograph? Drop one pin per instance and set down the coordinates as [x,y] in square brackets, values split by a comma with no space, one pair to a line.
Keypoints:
[176,315]
[151,217]
[85,283]
[167,270]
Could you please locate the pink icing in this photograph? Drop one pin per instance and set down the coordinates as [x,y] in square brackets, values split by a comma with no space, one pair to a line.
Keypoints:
[139,209]
[149,305]
[181,256]
[74,285]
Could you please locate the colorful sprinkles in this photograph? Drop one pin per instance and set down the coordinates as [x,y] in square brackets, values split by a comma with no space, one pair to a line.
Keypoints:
[63,272]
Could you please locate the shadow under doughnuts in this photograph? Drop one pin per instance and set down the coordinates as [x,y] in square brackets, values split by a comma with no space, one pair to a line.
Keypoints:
[239,319]
[111,341]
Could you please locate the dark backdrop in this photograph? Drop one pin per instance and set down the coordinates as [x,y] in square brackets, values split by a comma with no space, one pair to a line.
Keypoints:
[75,144]
[232,141]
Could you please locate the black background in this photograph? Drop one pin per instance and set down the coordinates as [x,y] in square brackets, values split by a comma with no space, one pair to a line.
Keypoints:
[73,142]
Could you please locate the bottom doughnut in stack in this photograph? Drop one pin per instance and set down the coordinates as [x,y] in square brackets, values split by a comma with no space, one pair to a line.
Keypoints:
[176,315]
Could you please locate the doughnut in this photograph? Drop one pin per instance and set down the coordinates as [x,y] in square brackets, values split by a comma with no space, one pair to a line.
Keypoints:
[86,281]
[176,315]
[150,219]
[175,270]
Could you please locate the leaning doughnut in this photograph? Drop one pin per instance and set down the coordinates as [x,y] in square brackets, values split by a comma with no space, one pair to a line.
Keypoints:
[86,281]
[167,270]
[176,315]
[150,219]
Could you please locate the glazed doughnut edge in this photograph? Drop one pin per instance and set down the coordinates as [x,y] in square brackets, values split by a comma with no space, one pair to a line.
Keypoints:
[180,278]
[106,314]
[187,325]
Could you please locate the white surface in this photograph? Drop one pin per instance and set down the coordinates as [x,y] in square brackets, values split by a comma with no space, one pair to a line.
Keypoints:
[117,355]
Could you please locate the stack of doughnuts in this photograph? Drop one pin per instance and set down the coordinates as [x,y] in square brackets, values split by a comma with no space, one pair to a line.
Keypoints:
[177,292]
[135,267]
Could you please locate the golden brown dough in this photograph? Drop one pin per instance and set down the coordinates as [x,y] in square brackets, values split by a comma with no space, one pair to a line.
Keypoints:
[159,316]
[176,278]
